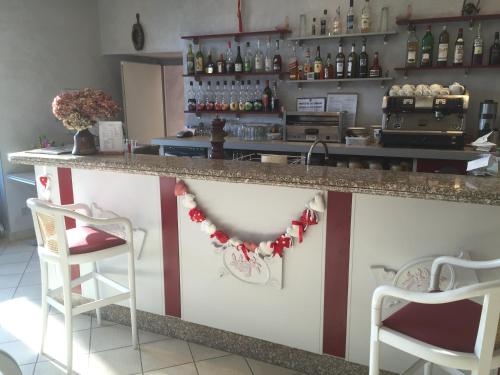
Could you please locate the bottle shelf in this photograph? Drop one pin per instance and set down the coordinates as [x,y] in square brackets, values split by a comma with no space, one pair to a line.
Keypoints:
[198,77]
[384,34]
[237,36]
[465,68]
[339,81]
[235,113]
[478,17]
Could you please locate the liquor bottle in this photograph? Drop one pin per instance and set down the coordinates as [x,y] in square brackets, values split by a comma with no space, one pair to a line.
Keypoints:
[458,55]
[350,17]
[375,70]
[427,48]
[477,52]
[308,68]
[249,97]
[210,67]
[337,23]
[191,98]
[221,65]
[495,51]
[190,60]
[259,59]
[365,21]
[225,98]
[293,65]
[242,95]
[313,27]
[277,59]
[200,98]
[412,47]
[444,42]
[238,63]
[363,62]
[267,97]
[247,64]
[268,61]
[217,97]
[199,65]
[328,70]
[233,98]
[209,98]
[324,29]
[352,63]
[275,100]
[318,65]
[340,63]
[257,97]
[229,59]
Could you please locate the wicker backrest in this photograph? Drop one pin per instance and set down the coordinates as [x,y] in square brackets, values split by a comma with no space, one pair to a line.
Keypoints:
[48,231]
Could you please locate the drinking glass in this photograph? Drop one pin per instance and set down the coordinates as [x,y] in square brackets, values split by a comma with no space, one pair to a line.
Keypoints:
[302,25]
[384,20]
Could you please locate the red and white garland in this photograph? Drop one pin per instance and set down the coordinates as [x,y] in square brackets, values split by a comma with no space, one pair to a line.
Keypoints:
[294,233]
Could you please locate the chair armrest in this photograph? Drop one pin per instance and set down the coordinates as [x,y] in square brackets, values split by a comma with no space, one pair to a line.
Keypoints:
[78,207]
[439,262]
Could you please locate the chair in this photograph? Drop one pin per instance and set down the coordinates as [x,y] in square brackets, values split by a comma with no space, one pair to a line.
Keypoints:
[83,244]
[443,328]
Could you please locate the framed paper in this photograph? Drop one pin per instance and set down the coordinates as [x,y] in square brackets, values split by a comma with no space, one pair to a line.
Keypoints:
[311,104]
[111,136]
[343,102]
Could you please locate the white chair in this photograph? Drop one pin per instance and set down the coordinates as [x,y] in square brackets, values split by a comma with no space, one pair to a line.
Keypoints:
[442,328]
[83,244]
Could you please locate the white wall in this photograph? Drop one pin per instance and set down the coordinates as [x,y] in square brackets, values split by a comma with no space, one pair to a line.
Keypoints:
[46,46]
[165,21]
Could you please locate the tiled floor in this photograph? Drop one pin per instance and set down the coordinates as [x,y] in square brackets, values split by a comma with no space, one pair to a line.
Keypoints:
[97,350]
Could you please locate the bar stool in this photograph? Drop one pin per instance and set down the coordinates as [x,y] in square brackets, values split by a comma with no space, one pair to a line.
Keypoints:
[83,244]
[443,328]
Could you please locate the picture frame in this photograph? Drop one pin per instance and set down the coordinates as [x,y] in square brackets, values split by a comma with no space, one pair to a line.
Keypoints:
[110,137]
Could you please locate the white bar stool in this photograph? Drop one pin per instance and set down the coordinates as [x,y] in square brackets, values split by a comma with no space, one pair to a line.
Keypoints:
[443,328]
[83,244]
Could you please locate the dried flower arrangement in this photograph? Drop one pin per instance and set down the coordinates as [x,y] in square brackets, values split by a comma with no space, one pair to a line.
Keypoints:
[81,109]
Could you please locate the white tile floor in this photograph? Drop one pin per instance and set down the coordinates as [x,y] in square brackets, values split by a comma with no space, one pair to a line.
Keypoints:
[97,350]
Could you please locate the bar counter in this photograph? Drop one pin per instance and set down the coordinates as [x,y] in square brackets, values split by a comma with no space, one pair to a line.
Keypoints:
[455,188]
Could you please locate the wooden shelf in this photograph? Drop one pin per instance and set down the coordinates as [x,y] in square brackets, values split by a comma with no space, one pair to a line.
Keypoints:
[237,36]
[236,113]
[385,34]
[465,68]
[479,17]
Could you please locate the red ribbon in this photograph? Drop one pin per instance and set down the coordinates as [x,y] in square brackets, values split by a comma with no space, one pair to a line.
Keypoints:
[196,215]
[244,250]
[282,242]
[300,224]
[309,218]
[220,236]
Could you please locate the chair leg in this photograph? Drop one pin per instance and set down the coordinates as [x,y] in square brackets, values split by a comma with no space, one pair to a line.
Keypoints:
[68,316]
[97,293]
[374,353]
[428,368]
[45,307]
[131,284]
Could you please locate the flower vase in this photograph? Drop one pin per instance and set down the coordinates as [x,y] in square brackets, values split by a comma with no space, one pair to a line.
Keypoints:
[84,143]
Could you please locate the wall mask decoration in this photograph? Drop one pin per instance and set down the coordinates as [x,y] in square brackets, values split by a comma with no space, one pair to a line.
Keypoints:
[138,37]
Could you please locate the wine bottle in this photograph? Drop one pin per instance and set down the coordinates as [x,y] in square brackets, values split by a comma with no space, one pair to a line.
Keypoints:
[495,51]
[277,59]
[365,22]
[229,59]
[209,98]
[247,64]
[375,70]
[248,98]
[200,98]
[210,67]
[259,59]
[257,102]
[275,100]
[190,60]
[313,27]
[427,48]
[199,65]
[268,61]
[221,65]
[217,97]
[328,68]
[458,55]
[318,65]
[340,63]
[242,96]
[293,65]
[266,98]
[352,63]
[191,98]
[444,42]
[233,98]
[478,50]
[337,23]
[324,23]
[350,17]
[308,68]
[363,62]
[412,47]
[225,98]
[238,63]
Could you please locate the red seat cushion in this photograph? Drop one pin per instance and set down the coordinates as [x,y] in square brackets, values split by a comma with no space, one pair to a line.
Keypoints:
[451,326]
[82,240]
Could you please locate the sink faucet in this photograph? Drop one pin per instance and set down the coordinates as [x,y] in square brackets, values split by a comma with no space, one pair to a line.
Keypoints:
[308,160]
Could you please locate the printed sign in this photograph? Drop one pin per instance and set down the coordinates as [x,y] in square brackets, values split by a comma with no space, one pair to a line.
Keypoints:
[311,104]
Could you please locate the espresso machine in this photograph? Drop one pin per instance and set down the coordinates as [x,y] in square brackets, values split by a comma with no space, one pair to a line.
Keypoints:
[424,121]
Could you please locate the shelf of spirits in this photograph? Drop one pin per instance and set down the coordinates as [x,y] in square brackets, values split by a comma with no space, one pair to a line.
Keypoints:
[237,76]
[466,68]
[340,81]
[234,113]
[478,17]
[237,36]
[384,34]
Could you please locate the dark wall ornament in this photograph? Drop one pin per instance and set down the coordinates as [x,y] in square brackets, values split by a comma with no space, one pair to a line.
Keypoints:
[138,34]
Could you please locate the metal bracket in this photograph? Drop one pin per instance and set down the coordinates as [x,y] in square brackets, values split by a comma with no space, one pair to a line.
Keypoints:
[386,38]
[466,71]
[339,85]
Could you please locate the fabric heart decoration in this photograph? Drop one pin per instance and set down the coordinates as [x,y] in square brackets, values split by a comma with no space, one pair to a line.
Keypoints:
[180,189]
[265,249]
[318,203]
[44,180]
[208,227]
[220,236]
[196,215]
[188,201]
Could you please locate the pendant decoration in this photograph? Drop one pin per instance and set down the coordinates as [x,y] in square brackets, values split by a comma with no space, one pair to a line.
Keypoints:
[238,15]
[247,250]
[45,187]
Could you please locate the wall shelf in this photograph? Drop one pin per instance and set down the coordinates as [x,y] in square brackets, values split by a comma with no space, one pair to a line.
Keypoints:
[465,68]
[237,76]
[384,34]
[237,36]
[479,17]
[234,113]
[339,81]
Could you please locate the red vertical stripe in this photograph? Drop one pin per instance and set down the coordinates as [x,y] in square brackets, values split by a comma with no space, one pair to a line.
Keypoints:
[170,239]
[337,273]
[66,197]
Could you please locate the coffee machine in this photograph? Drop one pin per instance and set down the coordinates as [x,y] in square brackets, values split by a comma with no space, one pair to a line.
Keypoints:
[487,117]
[424,121]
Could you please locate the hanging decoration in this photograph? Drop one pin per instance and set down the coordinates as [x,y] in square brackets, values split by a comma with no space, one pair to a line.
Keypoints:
[238,15]
[247,249]
[45,187]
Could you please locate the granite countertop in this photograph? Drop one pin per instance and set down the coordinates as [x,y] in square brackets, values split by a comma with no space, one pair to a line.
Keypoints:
[480,190]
